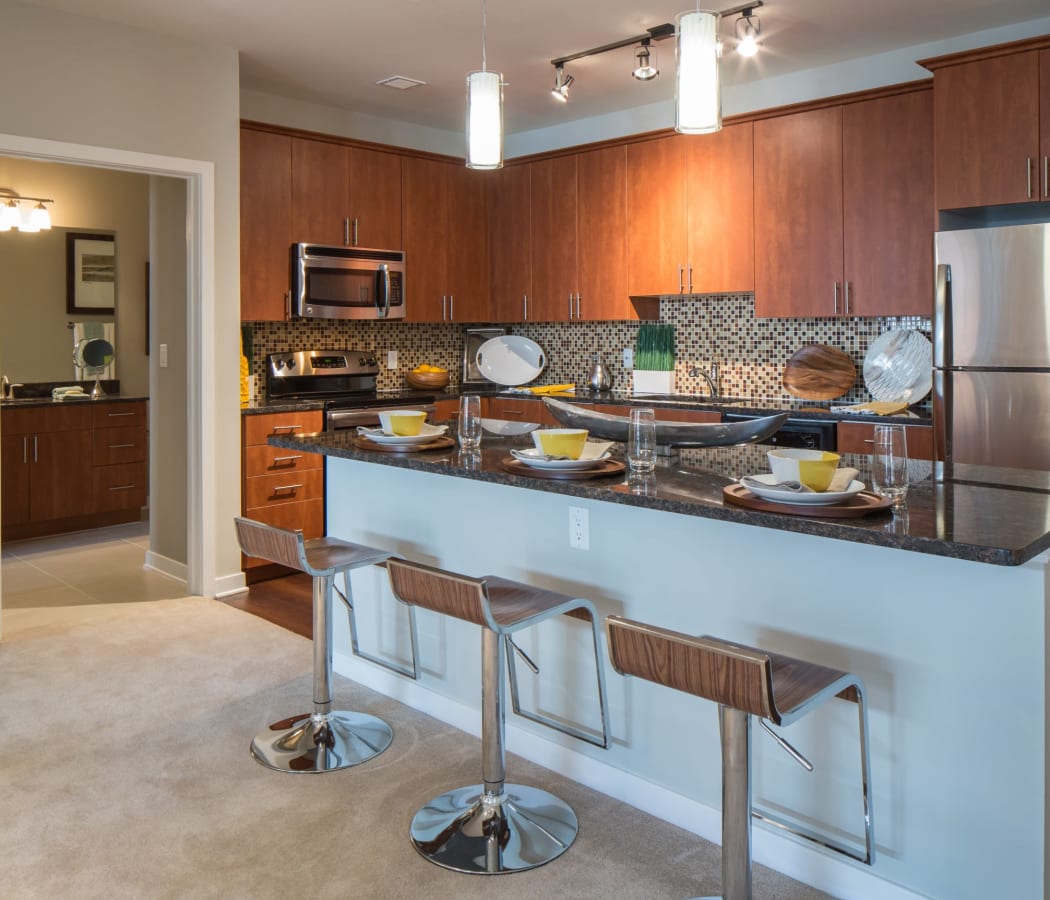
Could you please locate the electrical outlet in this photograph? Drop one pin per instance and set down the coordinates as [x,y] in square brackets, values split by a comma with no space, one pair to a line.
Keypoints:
[391,359]
[163,362]
[628,358]
[579,529]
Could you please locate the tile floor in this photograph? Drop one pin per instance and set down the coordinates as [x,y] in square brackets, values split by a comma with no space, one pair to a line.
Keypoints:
[87,567]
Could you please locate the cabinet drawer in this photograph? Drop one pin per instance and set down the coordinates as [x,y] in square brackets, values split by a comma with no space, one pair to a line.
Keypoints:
[45,419]
[856,437]
[258,428]
[287,487]
[306,516]
[121,486]
[120,415]
[520,411]
[119,445]
[265,460]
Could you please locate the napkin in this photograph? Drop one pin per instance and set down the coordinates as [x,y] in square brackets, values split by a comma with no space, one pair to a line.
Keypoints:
[875,407]
[547,389]
[842,478]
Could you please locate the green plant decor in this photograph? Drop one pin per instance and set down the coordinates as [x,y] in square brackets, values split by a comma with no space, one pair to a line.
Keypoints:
[654,350]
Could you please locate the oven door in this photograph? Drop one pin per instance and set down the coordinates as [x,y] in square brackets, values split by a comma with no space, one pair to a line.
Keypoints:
[346,283]
[340,419]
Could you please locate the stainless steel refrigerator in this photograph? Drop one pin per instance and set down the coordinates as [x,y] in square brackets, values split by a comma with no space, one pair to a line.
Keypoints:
[991,355]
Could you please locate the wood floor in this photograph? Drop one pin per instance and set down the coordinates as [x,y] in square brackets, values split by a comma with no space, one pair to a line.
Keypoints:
[286,601]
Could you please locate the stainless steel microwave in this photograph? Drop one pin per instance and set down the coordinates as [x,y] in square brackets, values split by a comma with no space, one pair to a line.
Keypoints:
[347,283]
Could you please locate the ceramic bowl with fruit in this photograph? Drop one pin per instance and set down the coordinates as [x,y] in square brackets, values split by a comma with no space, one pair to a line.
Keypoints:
[425,377]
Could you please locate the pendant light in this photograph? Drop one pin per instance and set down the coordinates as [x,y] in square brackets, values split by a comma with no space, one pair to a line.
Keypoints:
[484,112]
[698,95]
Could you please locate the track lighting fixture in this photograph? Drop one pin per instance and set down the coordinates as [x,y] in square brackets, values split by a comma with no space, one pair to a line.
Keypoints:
[562,83]
[11,216]
[646,67]
[748,28]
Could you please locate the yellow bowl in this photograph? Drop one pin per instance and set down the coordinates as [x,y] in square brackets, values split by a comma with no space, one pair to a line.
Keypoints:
[403,422]
[814,468]
[560,441]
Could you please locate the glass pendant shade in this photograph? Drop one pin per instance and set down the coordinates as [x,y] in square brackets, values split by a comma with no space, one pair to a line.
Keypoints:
[698,95]
[10,216]
[484,120]
[39,218]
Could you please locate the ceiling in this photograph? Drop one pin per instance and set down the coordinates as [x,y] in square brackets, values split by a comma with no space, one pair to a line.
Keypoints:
[334,51]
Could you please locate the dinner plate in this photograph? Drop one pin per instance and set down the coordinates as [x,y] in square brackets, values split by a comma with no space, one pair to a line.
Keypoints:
[537,460]
[510,359]
[899,366]
[779,495]
[378,436]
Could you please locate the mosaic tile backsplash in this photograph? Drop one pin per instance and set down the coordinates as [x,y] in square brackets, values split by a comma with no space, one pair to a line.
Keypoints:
[750,352]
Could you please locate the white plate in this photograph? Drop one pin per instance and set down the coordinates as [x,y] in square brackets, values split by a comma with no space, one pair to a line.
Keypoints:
[825,498]
[428,433]
[899,366]
[500,426]
[533,457]
[510,359]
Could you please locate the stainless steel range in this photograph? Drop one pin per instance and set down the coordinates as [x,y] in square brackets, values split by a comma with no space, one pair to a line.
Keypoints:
[345,380]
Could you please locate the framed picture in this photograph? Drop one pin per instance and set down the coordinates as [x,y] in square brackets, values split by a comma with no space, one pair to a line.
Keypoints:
[91,273]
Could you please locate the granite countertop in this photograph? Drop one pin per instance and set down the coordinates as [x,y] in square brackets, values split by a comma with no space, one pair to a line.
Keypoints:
[24,402]
[962,521]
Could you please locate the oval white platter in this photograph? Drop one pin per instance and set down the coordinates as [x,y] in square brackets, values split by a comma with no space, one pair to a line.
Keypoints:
[510,359]
[899,366]
[825,498]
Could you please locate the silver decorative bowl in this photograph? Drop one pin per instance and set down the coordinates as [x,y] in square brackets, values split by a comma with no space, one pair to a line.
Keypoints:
[671,434]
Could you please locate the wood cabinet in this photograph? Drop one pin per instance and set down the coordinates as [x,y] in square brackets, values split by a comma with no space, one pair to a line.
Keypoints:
[445,240]
[510,244]
[66,469]
[843,209]
[657,256]
[281,487]
[524,409]
[554,237]
[992,125]
[266,204]
[857,437]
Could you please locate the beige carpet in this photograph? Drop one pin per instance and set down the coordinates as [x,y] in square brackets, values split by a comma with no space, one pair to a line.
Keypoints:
[124,733]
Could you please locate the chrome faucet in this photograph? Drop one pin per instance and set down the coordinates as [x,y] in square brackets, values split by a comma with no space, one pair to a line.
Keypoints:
[712,377]
[5,387]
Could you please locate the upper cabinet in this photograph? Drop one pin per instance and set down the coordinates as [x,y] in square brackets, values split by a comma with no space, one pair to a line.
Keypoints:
[445,242]
[266,203]
[510,244]
[844,209]
[690,209]
[992,125]
[553,238]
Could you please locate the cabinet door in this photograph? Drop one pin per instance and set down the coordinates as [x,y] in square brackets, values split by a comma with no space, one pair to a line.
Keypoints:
[375,199]
[656,210]
[510,248]
[266,199]
[320,192]
[601,234]
[554,243]
[15,452]
[720,175]
[798,214]
[60,477]
[425,201]
[468,247]
[1044,123]
[857,437]
[986,128]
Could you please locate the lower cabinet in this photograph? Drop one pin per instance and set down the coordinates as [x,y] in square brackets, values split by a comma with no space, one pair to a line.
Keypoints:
[857,437]
[281,487]
[514,410]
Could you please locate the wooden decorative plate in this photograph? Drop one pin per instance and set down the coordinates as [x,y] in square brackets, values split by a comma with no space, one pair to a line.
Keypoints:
[863,503]
[819,372]
[605,468]
[442,442]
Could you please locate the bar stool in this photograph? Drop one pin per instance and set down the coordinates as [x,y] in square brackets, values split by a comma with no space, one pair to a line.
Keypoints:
[326,739]
[495,827]
[743,681]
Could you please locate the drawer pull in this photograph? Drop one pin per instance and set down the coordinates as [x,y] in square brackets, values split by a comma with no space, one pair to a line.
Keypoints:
[287,487]
[281,459]
[120,446]
[279,428]
[119,415]
[122,487]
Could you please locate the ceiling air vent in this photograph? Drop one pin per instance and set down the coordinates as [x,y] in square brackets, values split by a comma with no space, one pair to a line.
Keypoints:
[400,82]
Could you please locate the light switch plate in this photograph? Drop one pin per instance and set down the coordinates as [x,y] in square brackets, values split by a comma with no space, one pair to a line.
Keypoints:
[391,359]
[628,358]
[163,361]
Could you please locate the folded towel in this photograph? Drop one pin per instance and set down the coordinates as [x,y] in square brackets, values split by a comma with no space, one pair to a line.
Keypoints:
[842,478]
[874,407]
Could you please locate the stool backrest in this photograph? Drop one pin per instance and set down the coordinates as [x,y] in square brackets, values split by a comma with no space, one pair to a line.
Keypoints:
[445,592]
[275,544]
[707,667]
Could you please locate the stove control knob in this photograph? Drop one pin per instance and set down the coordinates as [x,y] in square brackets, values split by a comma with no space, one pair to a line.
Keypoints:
[278,364]
[371,361]
[291,364]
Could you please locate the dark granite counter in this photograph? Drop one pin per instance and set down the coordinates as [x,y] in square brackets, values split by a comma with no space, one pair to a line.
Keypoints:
[26,402]
[962,521]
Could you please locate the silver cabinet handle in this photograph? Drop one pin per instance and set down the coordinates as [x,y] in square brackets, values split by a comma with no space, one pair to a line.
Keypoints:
[451,308]
[836,298]
[114,415]
[287,304]
[1046,176]
[120,446]
[444,307]
[355,232]
[346,232]
[579,315]
[690,279]
[1028,174]
[281,459]
[286,487]
[25,451]
[525,301]
[35,457]
[570,306]
[122,487]
[681,283]
[279,428]
[845,303]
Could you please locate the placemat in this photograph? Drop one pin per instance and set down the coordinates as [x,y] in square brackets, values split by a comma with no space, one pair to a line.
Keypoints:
[863,503]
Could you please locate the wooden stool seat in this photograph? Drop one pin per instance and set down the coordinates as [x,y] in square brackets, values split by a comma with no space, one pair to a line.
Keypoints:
[743,681]
[495,827]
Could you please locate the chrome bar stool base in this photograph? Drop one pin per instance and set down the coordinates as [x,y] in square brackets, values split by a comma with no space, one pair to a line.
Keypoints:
[321,742]
[489,834]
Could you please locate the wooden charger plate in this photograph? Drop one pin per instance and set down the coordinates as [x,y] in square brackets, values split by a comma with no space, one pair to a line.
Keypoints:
[819,372]
[441,442]
[863,503]
[604,468]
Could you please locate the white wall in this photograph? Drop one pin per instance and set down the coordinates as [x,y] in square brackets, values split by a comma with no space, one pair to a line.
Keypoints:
[109,86]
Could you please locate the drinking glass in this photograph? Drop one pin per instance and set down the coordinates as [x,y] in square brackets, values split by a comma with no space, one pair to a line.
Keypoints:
[641,440]
[470,421]
[889,463]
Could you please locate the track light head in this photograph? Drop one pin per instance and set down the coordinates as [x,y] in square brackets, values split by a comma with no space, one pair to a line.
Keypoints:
[562,83]
[748,28]
[644,69]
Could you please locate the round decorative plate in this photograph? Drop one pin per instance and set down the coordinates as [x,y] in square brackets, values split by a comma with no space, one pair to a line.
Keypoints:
[899,366]
[510,359]
[779,495]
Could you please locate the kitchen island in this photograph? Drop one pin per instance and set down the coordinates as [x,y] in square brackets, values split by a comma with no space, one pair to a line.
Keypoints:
[940,609]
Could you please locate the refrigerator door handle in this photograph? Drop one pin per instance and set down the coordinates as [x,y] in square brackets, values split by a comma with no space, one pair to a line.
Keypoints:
[942,317]
[941,427]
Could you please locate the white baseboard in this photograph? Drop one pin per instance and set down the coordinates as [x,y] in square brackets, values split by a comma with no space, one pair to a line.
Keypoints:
[793,858]
[228,585]
[163,565]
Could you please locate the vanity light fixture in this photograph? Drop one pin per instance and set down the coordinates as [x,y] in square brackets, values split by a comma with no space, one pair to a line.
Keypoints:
[11,216]
[484,112]
[562,83]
